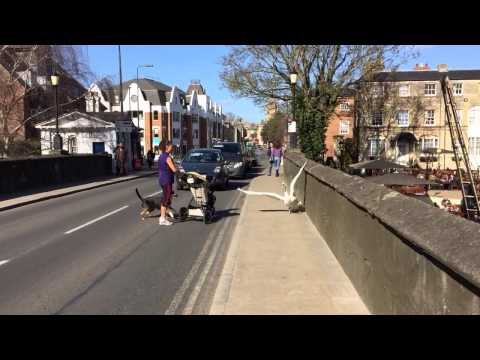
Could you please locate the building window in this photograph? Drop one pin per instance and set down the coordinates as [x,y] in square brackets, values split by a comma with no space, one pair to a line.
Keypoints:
[458,89]
[344,107]
[430,117]
[377,90]
[117,99]
[474,146]
[402,118]
[430,89]
[344,127]
[155,115]
[176,117]
[404,90]
[428,143]
[377,119]
[176,133]
[196,134]
[375,147]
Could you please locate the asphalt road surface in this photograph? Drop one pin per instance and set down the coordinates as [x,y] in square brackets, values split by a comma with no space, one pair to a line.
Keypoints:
[90,253]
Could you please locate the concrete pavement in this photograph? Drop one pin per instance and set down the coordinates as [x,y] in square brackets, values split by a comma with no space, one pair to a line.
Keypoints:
[279,264]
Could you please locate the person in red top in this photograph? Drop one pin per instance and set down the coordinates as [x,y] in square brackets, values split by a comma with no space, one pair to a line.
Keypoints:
[166,172]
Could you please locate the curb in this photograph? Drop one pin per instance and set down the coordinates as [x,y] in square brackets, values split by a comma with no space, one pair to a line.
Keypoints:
[222,292]
[69,192]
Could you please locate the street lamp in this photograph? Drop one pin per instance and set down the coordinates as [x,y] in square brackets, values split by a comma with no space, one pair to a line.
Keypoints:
[293,82]
[57,139]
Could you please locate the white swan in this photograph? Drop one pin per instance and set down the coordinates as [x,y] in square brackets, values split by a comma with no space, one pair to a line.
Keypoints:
[288,198]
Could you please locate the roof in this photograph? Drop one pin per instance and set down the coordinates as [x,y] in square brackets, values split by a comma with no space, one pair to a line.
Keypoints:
[156,92]
[399,179]
[378,164]
[426,75]
[110,117]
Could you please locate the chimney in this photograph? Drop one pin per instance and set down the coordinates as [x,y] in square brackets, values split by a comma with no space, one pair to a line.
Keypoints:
[421,67]
[442,68]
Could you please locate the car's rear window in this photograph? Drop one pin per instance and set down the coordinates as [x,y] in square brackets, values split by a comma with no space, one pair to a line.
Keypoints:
[229,148]
[203,156]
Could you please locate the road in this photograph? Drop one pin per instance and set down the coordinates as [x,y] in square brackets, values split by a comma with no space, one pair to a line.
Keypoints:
[90,253]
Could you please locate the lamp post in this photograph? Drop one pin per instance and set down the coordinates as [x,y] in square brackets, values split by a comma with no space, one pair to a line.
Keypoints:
[57,139]
[293,82]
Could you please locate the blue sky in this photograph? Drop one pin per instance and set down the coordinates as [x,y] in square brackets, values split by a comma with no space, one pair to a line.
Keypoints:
[178,64]
[174,65]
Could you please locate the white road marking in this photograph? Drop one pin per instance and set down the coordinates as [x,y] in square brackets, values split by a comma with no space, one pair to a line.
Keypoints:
[95,220]
[155,193]
[206,270]
[179,295]
[3,262]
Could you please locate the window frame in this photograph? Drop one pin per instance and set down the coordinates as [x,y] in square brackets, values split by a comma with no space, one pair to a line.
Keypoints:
[374,117]
[454,90]
[434,88]
[475,140]
[344,107]
[379,144]
[400,90]
[407,118]
[435,143]
[425,117]
[341,129]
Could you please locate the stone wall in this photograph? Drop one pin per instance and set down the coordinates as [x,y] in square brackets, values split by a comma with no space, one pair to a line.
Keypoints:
[29,173]
[402,255]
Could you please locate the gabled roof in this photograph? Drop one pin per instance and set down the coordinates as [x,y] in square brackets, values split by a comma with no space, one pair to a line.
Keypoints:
[425,75]
[155,92]
[108,118]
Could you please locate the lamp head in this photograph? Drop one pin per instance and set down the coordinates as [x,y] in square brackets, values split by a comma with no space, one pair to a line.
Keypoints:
[55,79]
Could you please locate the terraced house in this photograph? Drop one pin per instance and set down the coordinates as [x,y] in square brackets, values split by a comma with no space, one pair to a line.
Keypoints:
[189,119]
[399,115]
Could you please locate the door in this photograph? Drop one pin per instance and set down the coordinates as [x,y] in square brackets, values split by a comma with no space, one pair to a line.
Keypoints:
[98,147]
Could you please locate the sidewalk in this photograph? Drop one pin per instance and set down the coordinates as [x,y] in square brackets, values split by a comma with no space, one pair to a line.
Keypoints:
[45,195]
[279,264]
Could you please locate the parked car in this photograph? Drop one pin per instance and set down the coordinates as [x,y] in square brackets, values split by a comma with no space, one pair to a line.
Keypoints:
[208,162]
[235,157]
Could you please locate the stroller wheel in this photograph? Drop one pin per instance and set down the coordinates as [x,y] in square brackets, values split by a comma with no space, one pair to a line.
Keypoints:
[183,213]
[207,217]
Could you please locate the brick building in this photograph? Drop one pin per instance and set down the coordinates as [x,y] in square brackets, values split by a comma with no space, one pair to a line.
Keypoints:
[340,125]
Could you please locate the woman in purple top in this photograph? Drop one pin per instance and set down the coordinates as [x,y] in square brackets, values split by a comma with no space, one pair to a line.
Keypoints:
[166,171]
[277,154]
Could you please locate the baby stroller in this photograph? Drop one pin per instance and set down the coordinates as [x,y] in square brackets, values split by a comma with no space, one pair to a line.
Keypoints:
[202,203]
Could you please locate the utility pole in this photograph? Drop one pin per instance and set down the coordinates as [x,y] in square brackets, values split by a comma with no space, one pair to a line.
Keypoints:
[120,71]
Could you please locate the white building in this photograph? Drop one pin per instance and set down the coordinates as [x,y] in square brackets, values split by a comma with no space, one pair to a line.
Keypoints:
[92,133]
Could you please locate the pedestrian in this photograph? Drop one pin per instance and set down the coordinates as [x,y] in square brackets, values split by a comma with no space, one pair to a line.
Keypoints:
[166,171]
[150,158]
[277,154]
[120,159]
[270,158]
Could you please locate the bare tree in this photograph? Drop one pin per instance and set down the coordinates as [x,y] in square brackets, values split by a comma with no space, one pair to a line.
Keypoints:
[26,95]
